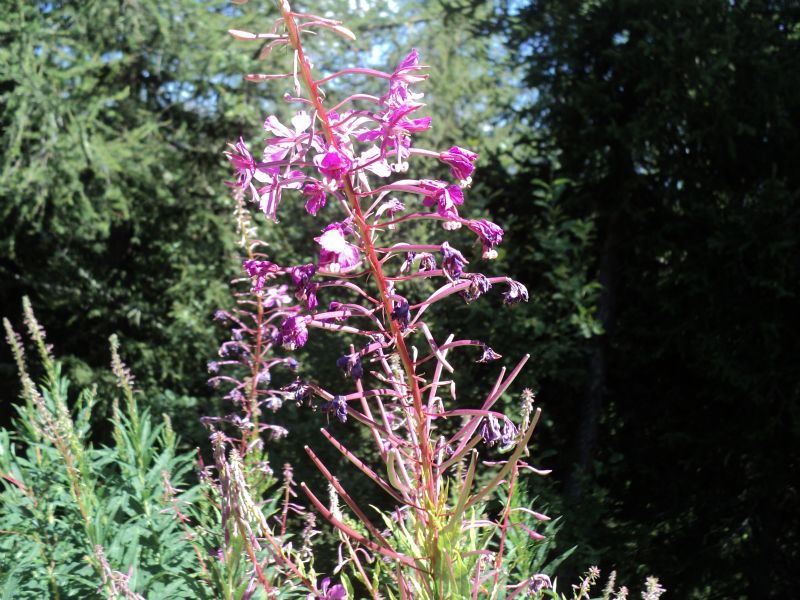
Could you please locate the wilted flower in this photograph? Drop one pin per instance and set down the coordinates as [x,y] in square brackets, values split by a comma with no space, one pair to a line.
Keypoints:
[427,262]
[509,435]
[302,274]
[478,285]
[490,235]
[452,261]
[492,433]
[516,293]
[490,430]
[299,390]
[400,313]
[305,291]
[538,582]
[338,406]
[488,355]
[351,365]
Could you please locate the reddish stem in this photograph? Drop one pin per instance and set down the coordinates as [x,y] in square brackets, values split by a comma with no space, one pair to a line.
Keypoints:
[425,469]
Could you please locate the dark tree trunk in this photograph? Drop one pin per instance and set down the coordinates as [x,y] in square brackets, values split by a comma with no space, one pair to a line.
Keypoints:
[592,404]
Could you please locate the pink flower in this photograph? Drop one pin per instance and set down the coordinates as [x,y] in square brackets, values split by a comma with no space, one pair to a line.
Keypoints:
[276,296]
[460,162]
[446,197]
[333,164]
[260,271]
[396,129]
[315,197]
[287,139]
[336,252]
[243,162]
[329,592]
[269,196]
[405,72]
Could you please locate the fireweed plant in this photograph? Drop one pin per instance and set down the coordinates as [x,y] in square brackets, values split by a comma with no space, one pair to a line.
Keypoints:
[355,165]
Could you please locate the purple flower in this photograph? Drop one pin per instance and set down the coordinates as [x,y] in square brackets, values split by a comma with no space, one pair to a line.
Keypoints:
[243,162]
[260,270]
[302,274]
[336,252]
[516,293]
[305,291]
[447,197]
[395,131]
[329,592]
[315,197]
[338,406]
[452,261]
[490,235]
[293,332]
[460,161]
[333,164]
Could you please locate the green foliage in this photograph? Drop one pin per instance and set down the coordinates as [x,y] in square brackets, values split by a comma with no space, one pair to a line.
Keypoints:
[469,542]
[112,121]
[78,516]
